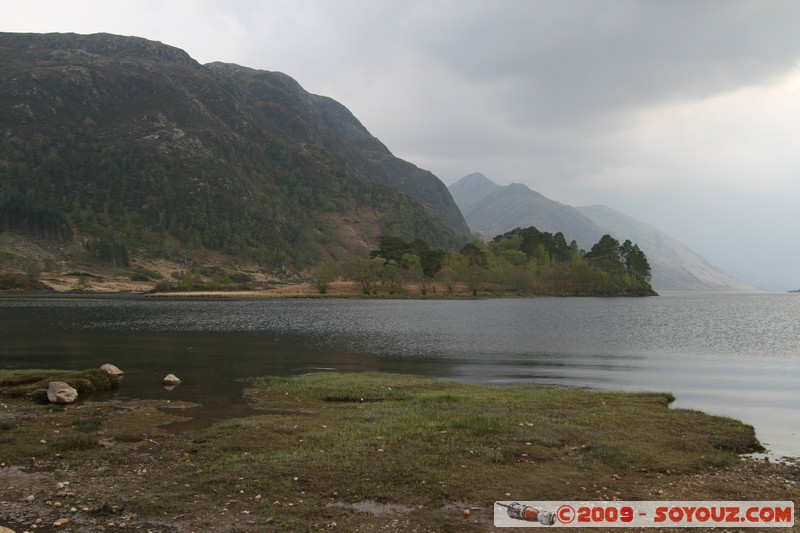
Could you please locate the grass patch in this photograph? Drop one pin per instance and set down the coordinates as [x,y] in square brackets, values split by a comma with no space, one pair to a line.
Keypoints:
[127,436]
[390,434]
[87,425]
[74,442]
[409,413]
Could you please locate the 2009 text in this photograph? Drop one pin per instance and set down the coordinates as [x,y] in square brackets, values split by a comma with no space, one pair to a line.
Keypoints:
[644,514]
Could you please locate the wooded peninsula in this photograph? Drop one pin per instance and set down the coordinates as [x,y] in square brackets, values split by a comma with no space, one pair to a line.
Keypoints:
[520,262]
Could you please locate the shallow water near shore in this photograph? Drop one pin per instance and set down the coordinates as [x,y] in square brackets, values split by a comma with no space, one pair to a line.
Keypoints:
[732,355]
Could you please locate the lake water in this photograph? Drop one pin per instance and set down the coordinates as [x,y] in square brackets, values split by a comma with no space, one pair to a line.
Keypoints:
[734,355]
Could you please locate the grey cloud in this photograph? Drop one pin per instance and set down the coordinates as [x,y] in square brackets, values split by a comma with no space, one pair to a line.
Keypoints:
[569,60]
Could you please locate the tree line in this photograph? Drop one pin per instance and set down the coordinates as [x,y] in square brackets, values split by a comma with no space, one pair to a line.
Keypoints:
[519,262]
[19,215]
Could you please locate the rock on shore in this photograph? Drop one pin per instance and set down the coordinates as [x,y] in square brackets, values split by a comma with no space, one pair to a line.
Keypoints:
[60,392]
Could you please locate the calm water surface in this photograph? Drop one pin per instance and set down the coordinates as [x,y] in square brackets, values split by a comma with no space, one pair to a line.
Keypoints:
[733,355]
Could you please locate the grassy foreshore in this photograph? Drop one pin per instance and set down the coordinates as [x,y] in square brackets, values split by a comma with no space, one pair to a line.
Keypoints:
[365,452]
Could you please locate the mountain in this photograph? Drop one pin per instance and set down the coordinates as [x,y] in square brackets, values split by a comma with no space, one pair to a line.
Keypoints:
[675,267]
[130,141]
[495,210]
[491,209]
[471,188]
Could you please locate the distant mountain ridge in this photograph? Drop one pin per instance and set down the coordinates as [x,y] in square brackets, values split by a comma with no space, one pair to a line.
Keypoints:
[133,141]
[491,209]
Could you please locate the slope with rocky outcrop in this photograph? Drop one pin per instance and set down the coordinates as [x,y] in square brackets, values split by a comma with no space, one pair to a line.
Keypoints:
[135,142]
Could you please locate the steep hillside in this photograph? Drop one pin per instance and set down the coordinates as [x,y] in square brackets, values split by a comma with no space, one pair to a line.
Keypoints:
[675,267]
[134,142]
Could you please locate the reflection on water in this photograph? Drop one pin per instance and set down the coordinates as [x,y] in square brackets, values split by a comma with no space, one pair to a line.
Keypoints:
[736,355]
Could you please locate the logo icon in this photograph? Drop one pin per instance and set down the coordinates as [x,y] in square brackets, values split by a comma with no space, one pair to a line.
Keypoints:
[527,513]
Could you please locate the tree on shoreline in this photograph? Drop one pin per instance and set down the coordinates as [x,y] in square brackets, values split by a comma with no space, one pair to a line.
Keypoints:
[521,262]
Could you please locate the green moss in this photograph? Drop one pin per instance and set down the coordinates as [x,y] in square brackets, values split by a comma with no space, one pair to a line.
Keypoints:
[32,384]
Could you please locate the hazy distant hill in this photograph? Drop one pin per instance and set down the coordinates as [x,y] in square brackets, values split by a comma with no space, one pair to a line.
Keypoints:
[132,141]
[491,209]
[471,189]
[675,267]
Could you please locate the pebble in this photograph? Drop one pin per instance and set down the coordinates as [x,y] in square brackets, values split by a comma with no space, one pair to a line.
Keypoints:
[61,522]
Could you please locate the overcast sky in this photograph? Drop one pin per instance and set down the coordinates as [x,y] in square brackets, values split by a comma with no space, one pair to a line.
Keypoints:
[684,114]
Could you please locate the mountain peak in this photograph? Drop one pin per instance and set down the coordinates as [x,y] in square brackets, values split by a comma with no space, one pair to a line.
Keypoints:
[476,178]
[471,189]
[504,208]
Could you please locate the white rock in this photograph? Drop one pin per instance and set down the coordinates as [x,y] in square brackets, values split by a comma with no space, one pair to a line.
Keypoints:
[60,392]
[171,379]
[61,522]
[113,370]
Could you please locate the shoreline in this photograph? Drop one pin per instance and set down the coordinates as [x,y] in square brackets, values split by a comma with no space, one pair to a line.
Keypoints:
[421,450]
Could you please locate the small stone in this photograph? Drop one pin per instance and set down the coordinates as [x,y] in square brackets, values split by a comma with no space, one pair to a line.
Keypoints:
[30,498]
[466,513]
[111,369]
[61,522]
[171,380]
